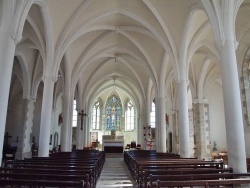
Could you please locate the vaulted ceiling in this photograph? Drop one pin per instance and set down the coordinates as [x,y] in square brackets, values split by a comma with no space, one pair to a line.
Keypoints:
[123,46]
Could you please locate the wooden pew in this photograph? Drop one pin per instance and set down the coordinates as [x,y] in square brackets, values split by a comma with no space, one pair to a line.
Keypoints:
[51,171]
[40,183]
[203,183]
[70,162]
[140,167]
[149,168]
[62,167]
[184,177]
[50,177]
[144,178]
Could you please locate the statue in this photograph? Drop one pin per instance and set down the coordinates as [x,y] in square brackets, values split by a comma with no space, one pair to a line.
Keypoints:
[60,119]
[215,147]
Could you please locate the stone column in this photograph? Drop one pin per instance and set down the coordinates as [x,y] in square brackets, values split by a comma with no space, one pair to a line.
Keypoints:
[191,132]
[140,130]
[201,129]
[175,135]
[79,132]
[7,50]
[46,114]
[86,131]
[232,105]
[70,128]
[65,131]
[24,139]
[160,125]
[183,119]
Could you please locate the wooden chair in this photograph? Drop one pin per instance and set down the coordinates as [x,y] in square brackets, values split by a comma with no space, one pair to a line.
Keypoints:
[138,146]
[127,147]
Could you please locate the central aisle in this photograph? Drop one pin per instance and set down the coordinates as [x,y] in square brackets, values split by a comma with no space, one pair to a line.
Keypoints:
[115,173]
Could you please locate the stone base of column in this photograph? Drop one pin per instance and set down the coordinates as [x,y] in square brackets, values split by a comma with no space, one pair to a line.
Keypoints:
[21,155]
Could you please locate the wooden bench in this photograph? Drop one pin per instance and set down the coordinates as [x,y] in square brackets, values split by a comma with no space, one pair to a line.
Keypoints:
[144,178]
[40,183]
[50,177]
[203,183]
[174,165]
[88,169]
[51,171]
[65,167]
[184,177]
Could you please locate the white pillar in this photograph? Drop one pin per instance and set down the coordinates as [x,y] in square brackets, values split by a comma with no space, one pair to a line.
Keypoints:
[86,131]
[70,128]
[24,139]
[140,131]
[46,114]
[160,125]
[233,109]
[183,119]
[79,132]
[65,131]
[7,50]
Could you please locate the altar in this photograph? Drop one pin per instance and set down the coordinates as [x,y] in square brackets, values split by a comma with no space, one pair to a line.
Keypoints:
[112,144]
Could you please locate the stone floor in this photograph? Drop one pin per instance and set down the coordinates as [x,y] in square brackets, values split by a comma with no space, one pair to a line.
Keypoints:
[115,173]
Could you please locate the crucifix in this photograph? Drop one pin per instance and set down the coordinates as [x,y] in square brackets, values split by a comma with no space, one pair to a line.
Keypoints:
[82,115]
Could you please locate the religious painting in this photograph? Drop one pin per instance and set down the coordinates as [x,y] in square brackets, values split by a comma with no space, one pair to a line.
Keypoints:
[94,136]
[113,113]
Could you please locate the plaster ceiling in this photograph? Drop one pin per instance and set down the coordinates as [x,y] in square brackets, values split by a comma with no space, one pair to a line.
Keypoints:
[125,39]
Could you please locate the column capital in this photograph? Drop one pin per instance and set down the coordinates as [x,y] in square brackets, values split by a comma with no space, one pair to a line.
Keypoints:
[16,38]
[173,112]
[30,98]
[49,78]
[220,44]
[177,82]
[195,101]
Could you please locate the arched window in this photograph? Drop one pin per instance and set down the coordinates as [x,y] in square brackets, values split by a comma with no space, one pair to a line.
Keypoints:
[113,113]
[129,116]
[74,119]
[96,115]
[152,115]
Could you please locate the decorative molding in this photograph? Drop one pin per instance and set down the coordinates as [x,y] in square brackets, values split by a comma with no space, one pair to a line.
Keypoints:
[195,101]
[16,38]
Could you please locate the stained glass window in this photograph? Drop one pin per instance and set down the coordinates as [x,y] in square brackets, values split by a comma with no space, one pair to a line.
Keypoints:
[129,116]
[74,119]
[96,115]
[113,113]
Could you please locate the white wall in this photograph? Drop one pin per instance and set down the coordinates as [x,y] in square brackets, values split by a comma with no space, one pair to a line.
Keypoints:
[14,115]
[247,141]
[217,117]
[37,114]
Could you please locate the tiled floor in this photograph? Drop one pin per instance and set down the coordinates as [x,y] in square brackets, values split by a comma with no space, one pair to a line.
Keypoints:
[115,173]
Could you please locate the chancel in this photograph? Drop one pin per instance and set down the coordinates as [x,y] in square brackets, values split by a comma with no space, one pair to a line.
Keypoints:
[112,143]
